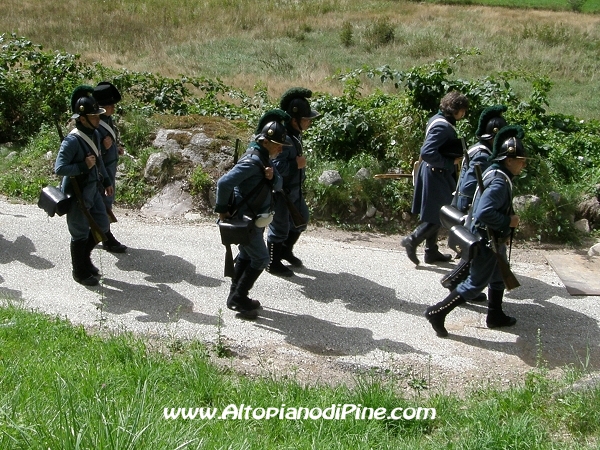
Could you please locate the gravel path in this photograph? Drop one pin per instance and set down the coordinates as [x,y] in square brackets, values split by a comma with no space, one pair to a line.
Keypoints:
[358,305]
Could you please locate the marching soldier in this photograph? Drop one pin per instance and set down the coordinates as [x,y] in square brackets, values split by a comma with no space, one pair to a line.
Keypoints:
[85,179]
[490,122]
[107,95]
[291,164]
[492,218]
[252,180]
[435,182]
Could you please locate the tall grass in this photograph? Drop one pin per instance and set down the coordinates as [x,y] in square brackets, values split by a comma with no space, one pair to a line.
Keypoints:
[63,388]
[284,43]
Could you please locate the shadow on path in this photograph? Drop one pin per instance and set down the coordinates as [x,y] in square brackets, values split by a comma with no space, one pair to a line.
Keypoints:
[158,303]
[326,338]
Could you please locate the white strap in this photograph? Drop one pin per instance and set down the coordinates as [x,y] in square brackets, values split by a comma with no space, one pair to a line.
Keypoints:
[87,140]
[474,150]
[108,128]
[439,119]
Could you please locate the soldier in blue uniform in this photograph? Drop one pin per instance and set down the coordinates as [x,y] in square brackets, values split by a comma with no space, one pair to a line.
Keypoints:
[435,181]
[291,164]
[79,161]
[492,209]
[490,122]
[107,95]
[252,180]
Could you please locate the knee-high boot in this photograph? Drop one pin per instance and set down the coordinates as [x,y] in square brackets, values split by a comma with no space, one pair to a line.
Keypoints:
[436,314]
[112,245]
[495,316]
[288,247]
[81,272]
[275,266]
[90,244]
[413,240]
[239,301]
[238,269]
[432,254]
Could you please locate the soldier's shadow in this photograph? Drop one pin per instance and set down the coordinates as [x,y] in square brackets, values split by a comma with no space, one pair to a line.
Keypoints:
[546,332]
[326,338]
[158,303]
[358,294]
[22,250]
[163,268]
[9,294]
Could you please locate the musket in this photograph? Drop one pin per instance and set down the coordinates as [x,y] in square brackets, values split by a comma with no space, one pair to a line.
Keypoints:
[392,176]
[97,232]
[509,278]
[236,151]
[297,218]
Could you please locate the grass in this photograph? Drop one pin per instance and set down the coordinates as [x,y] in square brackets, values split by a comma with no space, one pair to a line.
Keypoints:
[286,43]
[62,387]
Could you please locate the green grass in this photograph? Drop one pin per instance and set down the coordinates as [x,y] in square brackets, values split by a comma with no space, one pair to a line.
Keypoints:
[62,387]
[281,44]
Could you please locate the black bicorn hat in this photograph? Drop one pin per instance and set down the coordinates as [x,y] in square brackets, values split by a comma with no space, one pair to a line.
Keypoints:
[106,93]
[508,144]
[294,102]
[83,102]
[271,126]
[490,122]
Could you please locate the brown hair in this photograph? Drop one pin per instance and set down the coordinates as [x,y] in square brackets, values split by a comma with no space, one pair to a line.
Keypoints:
[453,102]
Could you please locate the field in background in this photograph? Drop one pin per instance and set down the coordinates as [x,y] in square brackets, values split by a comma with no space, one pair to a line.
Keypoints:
[283,43]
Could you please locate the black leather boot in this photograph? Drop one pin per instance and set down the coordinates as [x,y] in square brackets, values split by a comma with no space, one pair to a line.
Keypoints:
[432,254]
[238,269]
[112,245]
[287,250]
[412,241]
[90,244]
[495,316]
[81,273]
[275,266]
[239,300]
[436,314]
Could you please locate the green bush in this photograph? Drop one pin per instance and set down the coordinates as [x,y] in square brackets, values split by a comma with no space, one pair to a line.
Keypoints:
[200,181]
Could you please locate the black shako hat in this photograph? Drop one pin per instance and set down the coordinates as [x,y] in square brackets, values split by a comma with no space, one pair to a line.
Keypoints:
[106,94]
[490,122]
[294,102]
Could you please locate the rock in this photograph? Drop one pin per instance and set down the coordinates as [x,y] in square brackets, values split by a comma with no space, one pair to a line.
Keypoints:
[524,201]
[594,250]
[171,201]
[363,174]
[331,178]
[371,211]
[590,210]
[155,165]
[582,225]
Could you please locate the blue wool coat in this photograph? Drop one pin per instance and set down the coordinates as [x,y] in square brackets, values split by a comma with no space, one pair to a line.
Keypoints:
[435,181]
[243,178]
[467,183]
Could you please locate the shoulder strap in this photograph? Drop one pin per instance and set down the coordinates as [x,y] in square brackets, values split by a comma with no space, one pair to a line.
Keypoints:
[87,140]
[476,148]
[108,128]
[438,120]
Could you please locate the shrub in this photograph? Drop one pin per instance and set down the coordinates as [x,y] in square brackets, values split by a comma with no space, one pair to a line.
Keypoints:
[347,34]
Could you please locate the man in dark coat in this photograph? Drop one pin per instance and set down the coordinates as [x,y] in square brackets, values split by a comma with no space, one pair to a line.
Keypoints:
[291,164]
[435,181]
[492,217]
